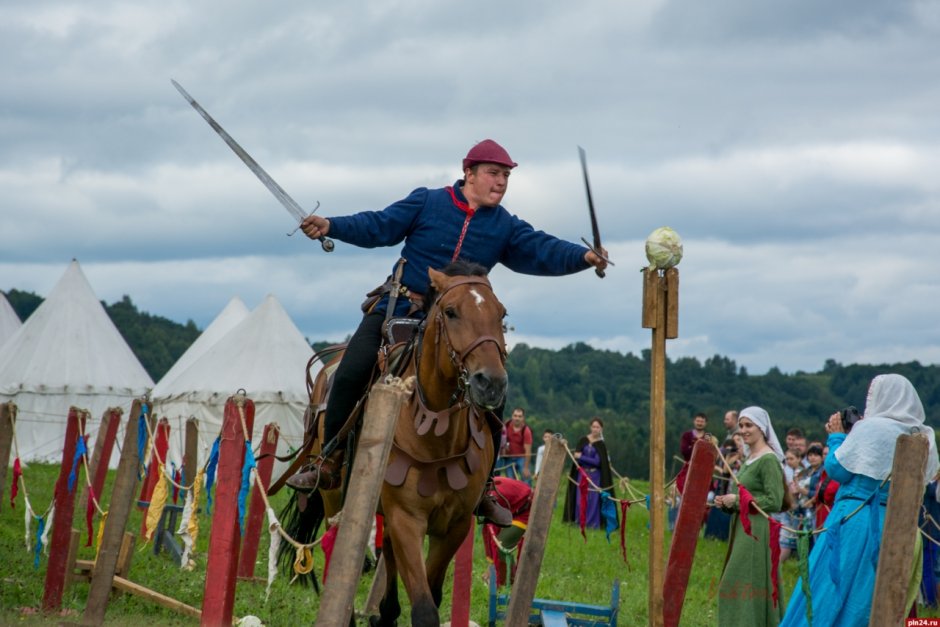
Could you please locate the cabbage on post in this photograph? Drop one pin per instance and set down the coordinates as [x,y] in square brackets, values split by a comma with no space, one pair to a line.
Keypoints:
[663,248]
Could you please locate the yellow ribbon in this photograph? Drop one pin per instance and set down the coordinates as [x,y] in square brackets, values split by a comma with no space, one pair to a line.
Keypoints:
[157,502]
[304,562]
[104,517]
[193,525]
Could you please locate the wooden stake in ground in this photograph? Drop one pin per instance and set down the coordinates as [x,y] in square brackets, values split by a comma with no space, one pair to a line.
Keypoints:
[218,599]
[119,510]
[688,526]
[362,496]
[536,534]
[463,573]
[64,509]
[899,535]
[7,412]
[661,314]
[249,552]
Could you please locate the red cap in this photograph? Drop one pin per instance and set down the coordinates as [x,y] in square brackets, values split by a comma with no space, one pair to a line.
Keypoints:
[488,151]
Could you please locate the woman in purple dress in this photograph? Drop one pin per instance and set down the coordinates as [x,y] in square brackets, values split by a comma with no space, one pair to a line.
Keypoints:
[591,456]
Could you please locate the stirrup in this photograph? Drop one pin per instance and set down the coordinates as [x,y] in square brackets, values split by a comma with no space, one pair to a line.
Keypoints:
[325,473]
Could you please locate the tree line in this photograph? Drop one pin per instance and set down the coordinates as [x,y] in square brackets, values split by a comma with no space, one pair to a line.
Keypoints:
[564,389]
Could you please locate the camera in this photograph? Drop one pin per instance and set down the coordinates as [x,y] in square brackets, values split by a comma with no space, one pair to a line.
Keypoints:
[849,417]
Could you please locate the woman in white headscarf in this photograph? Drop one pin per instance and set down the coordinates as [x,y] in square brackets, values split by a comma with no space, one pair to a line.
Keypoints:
[844,560]
[749,591]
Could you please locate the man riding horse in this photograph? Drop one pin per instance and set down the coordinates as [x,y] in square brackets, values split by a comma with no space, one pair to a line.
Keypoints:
[464,221]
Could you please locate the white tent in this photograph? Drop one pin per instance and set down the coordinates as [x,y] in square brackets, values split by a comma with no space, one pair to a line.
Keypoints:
[67,353]
[228,319]
[265,355]
[9,321]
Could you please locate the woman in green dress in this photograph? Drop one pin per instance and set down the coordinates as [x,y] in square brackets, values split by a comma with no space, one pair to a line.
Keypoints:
[749,591]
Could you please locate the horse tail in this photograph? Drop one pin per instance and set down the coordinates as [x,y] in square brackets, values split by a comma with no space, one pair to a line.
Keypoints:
[303,526]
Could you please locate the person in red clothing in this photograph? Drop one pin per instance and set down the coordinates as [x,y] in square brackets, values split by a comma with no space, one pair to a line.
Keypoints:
[498,543]
[687,443]
[518,450]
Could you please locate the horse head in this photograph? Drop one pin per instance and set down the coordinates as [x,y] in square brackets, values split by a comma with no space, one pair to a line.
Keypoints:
[466,321]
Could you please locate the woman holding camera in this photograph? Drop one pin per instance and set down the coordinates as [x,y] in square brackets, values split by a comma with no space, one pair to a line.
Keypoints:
[749,592]
[844,561]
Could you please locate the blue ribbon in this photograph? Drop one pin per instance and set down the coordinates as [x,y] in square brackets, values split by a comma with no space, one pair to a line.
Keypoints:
[243,490]
[210,472]
[609,514]
[39,531]
[80,450]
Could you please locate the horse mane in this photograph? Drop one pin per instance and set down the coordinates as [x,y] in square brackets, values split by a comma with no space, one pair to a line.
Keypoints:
[460,267]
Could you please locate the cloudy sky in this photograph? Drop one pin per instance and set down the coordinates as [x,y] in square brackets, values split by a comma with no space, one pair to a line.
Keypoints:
[795,146]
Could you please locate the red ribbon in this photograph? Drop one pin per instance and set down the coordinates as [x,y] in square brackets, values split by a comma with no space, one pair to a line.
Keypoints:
[582,501]
[624,506]
[775,558]
[15,486]
[744,505]
[329,539]
[90,512]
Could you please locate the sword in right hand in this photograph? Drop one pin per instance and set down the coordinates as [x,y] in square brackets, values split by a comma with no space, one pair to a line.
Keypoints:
[289,203]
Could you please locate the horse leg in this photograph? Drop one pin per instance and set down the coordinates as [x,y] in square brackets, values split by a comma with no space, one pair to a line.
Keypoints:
[441,551]
[389,608]
[407,532]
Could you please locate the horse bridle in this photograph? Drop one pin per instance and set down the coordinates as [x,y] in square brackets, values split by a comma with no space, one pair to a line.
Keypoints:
[458,358]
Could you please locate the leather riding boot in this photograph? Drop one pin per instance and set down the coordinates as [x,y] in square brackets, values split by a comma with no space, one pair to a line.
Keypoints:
[325,473]
[490,509]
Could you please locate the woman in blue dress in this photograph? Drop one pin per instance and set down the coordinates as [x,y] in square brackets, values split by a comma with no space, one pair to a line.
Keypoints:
[844,560]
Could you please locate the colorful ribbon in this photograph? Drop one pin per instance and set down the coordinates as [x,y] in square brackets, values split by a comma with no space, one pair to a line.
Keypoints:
[744,505]
[210,472]
[624,506]
[80,451]
[15,486]
[246,484]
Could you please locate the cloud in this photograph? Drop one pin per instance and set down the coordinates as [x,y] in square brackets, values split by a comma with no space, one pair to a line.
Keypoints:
[794,147]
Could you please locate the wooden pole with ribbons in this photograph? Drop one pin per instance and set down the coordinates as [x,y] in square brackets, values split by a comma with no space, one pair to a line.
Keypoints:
[661,314]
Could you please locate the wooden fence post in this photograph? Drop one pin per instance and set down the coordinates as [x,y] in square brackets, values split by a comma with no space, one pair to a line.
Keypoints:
[249,551]
[64,509]
[191,453]
[362,496]
[463,573]
[101,455]
[899,535]
[688,525]
[119,509]
[158,453]
[7,423]
[218,599]
[536,534]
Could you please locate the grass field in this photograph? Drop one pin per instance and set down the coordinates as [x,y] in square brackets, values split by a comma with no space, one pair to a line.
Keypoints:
[572,570]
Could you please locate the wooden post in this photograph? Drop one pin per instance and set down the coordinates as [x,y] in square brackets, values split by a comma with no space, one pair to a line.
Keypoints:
[7,424]
[119,510]
[256,517]
[191,454]
[660,313]
[158,454]
[362,496]
[688,525]
[101,456]
[377,591]
[463,574]
[899,535]
[64,509]
[536,535]
[218,599]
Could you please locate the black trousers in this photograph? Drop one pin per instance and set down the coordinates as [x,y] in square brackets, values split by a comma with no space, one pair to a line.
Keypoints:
[354,374]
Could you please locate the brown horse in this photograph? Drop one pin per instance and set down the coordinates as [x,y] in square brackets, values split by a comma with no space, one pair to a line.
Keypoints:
[443,445]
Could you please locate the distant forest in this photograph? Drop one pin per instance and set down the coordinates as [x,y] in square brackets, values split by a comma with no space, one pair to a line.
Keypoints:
[563,389]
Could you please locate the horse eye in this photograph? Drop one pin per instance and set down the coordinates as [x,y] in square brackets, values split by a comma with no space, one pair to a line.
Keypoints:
[451,313]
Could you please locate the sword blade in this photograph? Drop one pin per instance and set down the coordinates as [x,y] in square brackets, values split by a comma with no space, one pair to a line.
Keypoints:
[292,207]
[595,230]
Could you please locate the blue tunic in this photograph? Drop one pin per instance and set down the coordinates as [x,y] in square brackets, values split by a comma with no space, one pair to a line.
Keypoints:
[430,222]
[854,561]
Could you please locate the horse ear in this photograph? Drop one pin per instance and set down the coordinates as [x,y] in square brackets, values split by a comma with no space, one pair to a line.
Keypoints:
[437,279]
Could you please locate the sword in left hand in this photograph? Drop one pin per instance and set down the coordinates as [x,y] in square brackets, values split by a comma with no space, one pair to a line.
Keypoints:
[289,203]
